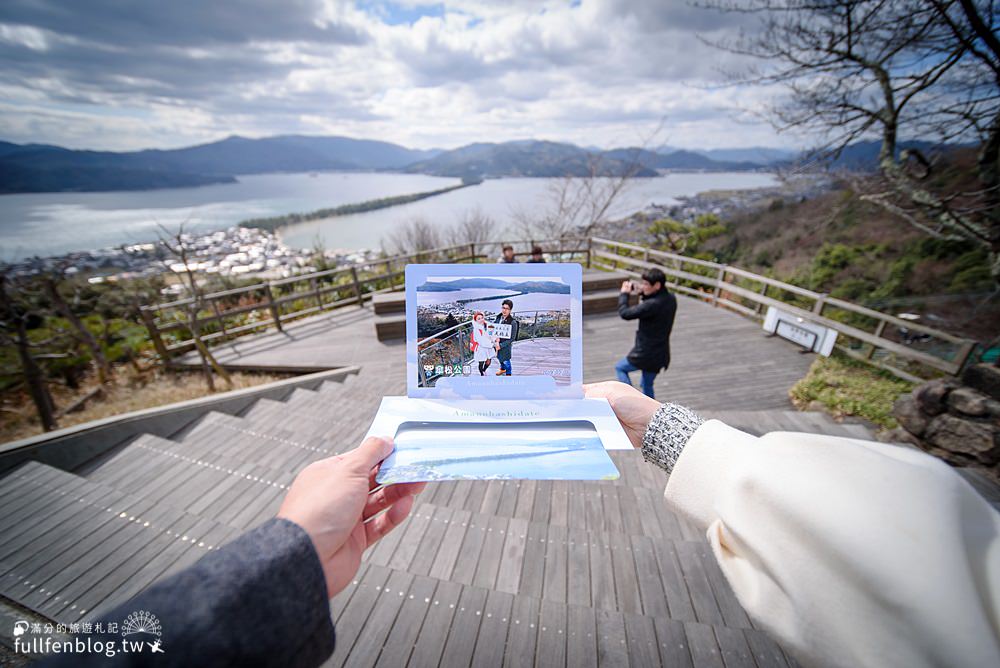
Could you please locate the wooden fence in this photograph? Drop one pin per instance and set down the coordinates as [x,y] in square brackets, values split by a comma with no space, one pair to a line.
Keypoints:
[907,349]
[231,313]
[866,334]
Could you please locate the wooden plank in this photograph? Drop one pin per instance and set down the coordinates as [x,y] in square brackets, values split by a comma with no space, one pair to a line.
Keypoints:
[431,640]
[354,617]
[576,511]
[705,651]
[542,501]
[602,579]
[556,555]
[702,597]
[581,641]
[509,574]
[492,553]
[673,643]
[510,490]
[522,636]
[651,590]
[735,651]
[451,544]
[431,541]
[732,612]
[491,498]
[373,634]
[461,642]
[472,547]
[551,650]
[578,569]
[766,652]
[626,580]
[533,570]
[559,504]
[611,640]
[340,601]
[493,630]
[594,508]
[406,629]
[525,499]
[410,541]
[642,644]
[612,510]
[674,586]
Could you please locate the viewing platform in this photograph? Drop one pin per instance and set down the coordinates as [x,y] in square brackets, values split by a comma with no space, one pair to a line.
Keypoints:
[543,573]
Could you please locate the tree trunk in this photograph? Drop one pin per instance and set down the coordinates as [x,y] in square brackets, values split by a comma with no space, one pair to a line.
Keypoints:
[34,377]
[86,338]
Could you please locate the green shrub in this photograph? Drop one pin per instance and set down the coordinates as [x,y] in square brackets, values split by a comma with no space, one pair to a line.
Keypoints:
[846,386]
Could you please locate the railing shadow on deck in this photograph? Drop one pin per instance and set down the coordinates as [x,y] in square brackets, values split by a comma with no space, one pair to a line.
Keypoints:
[906,349]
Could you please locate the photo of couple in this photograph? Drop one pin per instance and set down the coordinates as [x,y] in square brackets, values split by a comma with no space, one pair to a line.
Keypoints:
[493,327]
[490,342]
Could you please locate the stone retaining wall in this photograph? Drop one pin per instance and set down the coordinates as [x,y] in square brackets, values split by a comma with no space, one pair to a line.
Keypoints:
[956,420]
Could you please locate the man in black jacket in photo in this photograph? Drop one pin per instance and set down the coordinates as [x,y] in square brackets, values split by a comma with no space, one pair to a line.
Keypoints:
[655,312]
[505,348]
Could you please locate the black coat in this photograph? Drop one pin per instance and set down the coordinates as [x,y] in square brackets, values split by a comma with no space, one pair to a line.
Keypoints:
[655,313]
[503,354]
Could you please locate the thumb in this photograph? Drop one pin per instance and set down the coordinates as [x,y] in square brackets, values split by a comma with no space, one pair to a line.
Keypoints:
[371,451]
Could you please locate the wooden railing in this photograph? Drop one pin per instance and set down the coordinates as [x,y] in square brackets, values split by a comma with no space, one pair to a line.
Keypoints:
[232,313]
[866,334]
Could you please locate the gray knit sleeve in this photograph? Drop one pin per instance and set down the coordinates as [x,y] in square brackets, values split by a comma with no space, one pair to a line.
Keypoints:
[667,433]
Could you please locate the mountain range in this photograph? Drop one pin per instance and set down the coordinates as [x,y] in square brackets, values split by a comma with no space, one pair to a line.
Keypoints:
[28,168]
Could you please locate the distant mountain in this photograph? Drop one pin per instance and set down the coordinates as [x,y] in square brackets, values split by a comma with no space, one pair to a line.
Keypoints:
[41,168]
[521,158]
[863,155]
[757,155]
[676,160]
[495,284]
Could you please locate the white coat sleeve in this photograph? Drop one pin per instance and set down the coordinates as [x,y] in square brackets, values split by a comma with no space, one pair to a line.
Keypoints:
[851,553]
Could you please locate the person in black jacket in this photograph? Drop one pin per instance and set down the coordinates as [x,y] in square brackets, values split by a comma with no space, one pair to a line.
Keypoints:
[505,348]
[263,599]
[655,312]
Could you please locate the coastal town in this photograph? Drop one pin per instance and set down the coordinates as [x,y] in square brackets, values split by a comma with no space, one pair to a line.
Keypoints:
[250,252]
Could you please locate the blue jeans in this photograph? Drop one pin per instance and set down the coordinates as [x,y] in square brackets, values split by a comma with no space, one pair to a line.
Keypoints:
[624,368]
[505,365]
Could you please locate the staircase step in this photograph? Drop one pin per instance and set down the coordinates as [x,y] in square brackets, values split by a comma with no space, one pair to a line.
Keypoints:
[89,546]
[599,281]
[604,301]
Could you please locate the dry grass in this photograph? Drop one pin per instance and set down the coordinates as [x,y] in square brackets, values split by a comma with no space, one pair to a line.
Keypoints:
[127,393]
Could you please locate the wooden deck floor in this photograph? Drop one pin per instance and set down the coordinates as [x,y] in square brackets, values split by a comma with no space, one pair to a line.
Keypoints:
[511,573]
[720,360]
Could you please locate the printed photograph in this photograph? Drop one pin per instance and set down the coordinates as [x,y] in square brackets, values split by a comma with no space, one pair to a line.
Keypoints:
[540,451]
[493,327]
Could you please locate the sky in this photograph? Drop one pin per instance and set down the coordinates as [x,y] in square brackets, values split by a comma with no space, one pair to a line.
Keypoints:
[103,74]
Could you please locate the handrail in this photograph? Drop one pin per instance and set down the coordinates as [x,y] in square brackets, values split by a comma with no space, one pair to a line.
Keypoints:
[278,301]
[722,290]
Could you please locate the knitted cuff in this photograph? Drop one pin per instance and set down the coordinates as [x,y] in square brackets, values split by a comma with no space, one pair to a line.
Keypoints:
[667,433]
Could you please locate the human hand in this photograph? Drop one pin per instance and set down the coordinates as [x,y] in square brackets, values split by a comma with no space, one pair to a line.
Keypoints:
[332,500]
[632,408]
[626,287]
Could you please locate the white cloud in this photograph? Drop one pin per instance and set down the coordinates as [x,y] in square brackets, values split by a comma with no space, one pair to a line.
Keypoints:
[598,72]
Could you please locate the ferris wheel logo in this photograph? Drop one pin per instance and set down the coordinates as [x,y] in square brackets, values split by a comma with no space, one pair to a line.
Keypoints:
[141,622]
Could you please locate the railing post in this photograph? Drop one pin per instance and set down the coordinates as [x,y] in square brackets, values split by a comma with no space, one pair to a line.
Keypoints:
[316,295]
[472,252]
[719,280]
[821,302]
[218,318]
[357,285]
[878,334]
[154,335]
[962,358]
[763,293]
[590,242]
[275,316]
